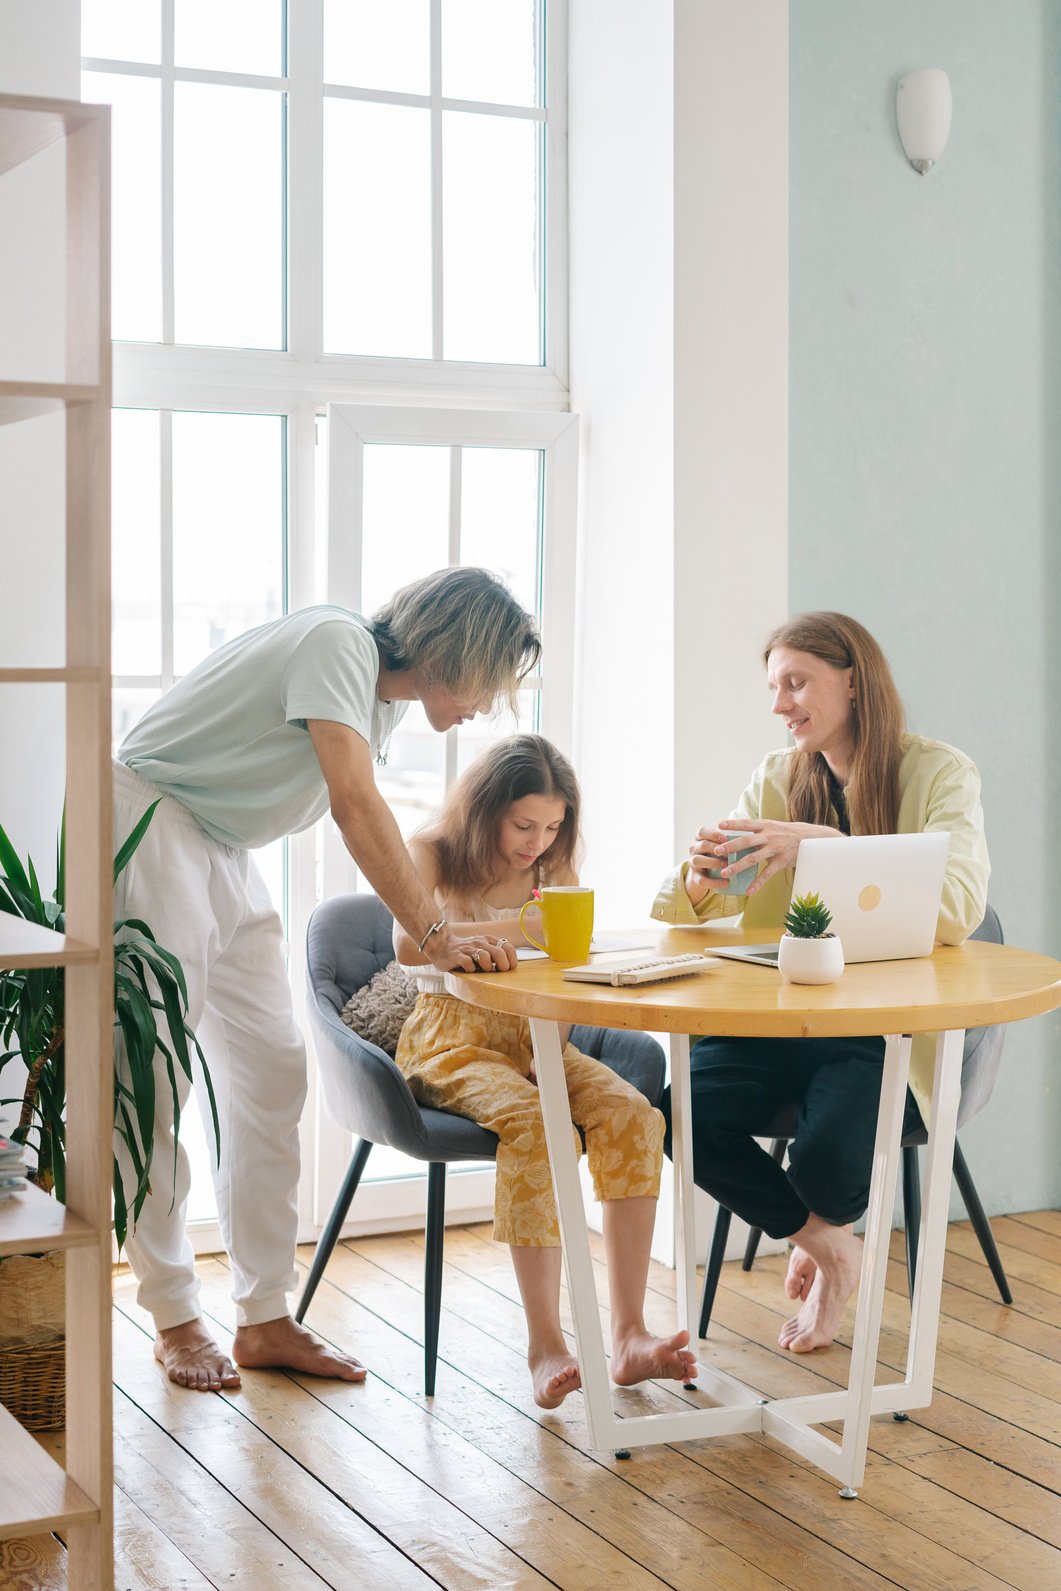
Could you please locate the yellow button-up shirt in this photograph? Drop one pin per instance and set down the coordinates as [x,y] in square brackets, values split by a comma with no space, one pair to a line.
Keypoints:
[939,788]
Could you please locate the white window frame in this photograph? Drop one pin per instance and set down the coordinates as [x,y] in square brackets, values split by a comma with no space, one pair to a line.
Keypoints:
[303,369]
[352,427]
[300,383]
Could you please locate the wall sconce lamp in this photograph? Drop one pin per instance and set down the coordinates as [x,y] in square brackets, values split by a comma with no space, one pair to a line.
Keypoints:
[923,111]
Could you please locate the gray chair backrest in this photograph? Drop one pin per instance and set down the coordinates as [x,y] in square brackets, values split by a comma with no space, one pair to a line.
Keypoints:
[983,1046]
[347,943]
[349,940]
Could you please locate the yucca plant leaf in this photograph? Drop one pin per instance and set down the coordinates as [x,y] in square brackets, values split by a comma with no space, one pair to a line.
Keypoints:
[121,1209]
[34,886]
[14,872]
[7,903]
[161,960]
[216,1125]
[22,898]
[121,861]
[150,1013]
[140,1034]
[60,861]
[127,1132]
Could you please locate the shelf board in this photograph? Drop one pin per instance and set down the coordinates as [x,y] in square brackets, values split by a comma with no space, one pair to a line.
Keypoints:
[24,400]
[25,944]
[36,1493]
[32,1223]
[79,675]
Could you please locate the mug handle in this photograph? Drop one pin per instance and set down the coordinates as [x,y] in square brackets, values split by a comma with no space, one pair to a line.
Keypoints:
[529,937]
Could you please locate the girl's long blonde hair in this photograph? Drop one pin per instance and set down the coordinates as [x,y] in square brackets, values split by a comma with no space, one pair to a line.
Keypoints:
[464,834]
[878,722]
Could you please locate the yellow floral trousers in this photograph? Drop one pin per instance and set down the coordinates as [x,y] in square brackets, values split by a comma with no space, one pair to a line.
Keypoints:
[477,1064]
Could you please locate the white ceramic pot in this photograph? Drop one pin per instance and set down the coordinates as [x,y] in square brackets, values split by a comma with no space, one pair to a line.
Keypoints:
[810,960]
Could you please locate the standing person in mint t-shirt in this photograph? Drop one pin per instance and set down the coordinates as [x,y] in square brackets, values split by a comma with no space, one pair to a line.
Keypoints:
[261,739]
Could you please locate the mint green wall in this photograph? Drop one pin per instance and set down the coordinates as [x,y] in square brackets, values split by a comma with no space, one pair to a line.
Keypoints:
[926,439]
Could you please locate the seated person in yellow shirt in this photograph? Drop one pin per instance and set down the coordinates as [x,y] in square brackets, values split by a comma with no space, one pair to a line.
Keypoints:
[852,770]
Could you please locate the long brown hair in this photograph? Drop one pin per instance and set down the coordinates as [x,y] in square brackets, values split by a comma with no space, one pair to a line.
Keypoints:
[464,834]
[878,722]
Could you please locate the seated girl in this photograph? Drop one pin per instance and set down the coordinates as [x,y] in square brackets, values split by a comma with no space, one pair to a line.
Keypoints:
[852,770]
[510,825]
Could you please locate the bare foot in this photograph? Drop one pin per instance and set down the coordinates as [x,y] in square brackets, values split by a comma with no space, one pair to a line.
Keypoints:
[191,1358]
[639,1356]
[283,1344]
[554,1375]
[819,1320]
[801,1273]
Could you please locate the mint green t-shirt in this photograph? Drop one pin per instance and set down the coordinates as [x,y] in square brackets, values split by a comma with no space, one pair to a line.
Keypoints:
[230,741]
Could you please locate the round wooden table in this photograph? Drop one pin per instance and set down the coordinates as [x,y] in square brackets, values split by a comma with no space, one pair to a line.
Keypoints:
[957,987]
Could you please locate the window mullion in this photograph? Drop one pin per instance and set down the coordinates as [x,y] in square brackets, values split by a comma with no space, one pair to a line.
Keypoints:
[436,180]
[166,87]
[553,208]
[305,161]
[165,453]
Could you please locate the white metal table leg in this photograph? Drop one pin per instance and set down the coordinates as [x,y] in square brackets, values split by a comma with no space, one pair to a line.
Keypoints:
[684,1196]
[791,1420]
[886,1156]
[935,1204]
[559,1136]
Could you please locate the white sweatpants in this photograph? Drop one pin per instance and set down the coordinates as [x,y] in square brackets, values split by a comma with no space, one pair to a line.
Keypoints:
[207,903]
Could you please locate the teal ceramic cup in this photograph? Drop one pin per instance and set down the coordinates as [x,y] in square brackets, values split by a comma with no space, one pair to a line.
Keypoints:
[737,883]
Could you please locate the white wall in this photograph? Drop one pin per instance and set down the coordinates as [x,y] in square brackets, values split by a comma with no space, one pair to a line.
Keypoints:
[926,460]
[39,55]
[679,217]
[679,301]
[40,48]
[620,118]
[730,393]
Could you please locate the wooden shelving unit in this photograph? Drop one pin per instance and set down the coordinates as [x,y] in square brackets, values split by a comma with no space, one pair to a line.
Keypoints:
[36,1493]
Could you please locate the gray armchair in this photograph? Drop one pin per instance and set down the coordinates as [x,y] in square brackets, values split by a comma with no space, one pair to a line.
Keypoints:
[980,1060]
[347,941]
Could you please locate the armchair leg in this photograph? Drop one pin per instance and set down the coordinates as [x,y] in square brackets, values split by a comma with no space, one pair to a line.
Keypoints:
[713,1268]
[777,1152]
[433,1242]
[981,1225]
[330,1236]
[911,1211]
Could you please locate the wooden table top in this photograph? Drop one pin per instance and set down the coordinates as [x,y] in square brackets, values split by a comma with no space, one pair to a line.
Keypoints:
[964,986]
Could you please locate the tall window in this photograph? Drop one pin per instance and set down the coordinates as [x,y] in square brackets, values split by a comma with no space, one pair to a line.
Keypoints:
[327,202]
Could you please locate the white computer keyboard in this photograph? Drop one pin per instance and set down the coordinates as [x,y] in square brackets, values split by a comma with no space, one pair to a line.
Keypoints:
[638,969]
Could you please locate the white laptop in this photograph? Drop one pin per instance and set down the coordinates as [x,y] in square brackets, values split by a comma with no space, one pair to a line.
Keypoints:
[883,890]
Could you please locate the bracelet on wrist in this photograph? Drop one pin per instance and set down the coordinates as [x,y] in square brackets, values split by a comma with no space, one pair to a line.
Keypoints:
[436,928]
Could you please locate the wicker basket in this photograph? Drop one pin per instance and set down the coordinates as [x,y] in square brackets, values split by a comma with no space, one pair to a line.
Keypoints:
[32,1340]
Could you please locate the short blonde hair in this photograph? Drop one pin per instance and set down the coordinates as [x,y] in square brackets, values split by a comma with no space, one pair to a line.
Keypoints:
[464,629]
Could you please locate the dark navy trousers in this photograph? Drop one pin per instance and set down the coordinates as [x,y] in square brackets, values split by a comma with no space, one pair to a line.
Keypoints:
[740,1085]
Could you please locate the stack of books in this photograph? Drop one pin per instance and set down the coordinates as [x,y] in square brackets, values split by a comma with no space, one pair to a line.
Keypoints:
[12,1167]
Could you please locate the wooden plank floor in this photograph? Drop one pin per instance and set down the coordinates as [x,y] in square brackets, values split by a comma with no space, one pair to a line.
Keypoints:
[295,1484]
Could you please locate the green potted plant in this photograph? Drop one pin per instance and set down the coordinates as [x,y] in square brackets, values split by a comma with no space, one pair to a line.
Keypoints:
[150,1010]
[808,952]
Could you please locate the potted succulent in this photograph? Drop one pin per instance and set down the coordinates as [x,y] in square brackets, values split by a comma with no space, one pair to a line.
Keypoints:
[808,952]
[150,1009]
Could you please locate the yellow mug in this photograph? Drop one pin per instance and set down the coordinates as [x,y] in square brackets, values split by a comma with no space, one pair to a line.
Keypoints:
[567,921]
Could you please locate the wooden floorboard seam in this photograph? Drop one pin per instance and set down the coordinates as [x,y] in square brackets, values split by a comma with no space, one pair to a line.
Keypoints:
[810,1471]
